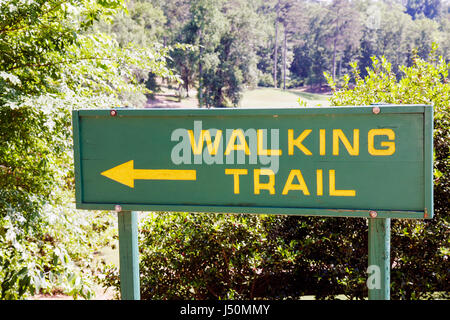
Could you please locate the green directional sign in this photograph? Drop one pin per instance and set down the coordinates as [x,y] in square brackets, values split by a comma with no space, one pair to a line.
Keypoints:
[338,161]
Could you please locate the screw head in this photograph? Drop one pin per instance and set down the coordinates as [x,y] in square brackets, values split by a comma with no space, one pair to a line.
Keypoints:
[376,110]
[373,214]
[113,113]
[118,208]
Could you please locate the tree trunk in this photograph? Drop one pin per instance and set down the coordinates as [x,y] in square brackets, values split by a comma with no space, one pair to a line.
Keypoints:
[284,58]
[335,42]
[200,79]
[186,83]
[334,59]
[275,56]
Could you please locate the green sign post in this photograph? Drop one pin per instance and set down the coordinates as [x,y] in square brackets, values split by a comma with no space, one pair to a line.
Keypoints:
[371,161]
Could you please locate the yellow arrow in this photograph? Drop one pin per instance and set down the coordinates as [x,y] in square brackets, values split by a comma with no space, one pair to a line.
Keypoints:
[126,174]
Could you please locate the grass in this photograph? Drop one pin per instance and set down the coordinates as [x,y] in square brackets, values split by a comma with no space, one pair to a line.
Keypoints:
[252,98]
[279,98]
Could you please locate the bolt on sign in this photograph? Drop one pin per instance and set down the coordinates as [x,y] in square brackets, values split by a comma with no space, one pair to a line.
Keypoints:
[337,161]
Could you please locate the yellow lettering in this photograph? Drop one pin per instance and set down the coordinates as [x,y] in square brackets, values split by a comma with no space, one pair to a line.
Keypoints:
[300,186]
[322,142]
[334,191]
[197,147]
[263,186]
[232,142]
[319,180]
[339,135]
[298,142]
[261,150]
[236,173]
[390,150]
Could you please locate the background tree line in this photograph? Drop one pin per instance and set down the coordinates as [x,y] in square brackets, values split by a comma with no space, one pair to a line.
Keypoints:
[282,43]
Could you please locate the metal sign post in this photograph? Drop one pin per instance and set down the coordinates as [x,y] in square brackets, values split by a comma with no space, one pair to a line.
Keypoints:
[379,258]
[129,255]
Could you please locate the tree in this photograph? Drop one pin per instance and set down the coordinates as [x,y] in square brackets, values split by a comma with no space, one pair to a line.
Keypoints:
[236,56]
[206,27]
[51,61]
[293,19]
[275,54]
[289,14]
[312,56]
[176,30]
[426,8]
[392,36]
[226,36]
[346,29]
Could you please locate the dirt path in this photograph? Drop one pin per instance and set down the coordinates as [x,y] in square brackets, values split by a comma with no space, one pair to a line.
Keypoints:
[99,294]
[170,101]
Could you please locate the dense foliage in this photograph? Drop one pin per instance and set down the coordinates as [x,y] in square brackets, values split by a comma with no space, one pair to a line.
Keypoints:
[420,249]
[226,256]
[209,256]
[51,62]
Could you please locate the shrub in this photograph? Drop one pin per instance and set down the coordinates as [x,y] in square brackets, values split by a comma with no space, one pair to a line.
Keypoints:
[228,256]
[265,80]
[211,256]
[45,243]
[419,249]
[152,84]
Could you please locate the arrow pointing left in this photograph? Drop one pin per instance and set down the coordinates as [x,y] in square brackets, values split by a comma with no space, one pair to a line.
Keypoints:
[126,174]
